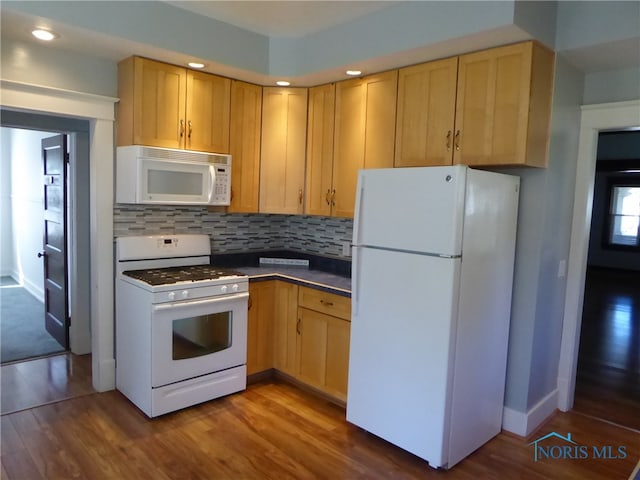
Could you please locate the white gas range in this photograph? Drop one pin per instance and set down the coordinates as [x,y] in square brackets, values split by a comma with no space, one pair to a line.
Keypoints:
[181,324]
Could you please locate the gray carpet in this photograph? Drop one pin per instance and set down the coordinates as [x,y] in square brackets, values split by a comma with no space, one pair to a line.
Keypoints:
[22,332]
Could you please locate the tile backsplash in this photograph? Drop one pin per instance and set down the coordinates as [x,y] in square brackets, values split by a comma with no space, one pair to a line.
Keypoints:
[231,233]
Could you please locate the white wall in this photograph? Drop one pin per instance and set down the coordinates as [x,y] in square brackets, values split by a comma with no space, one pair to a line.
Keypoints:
[27,207]
[7,263]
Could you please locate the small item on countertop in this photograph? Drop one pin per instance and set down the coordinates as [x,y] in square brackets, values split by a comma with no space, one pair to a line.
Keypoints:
[284,262]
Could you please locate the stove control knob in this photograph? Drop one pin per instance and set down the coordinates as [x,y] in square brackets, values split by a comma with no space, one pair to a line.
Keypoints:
[223,289]
[185,294]
[171,295]
[234,287]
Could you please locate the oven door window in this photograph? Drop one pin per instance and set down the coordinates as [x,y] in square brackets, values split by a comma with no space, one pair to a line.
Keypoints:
[201,335]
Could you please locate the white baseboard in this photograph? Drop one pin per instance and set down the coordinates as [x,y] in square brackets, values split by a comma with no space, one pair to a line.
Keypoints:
[523,424]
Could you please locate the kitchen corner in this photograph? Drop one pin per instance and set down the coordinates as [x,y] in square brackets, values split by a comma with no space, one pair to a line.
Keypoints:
[316,271]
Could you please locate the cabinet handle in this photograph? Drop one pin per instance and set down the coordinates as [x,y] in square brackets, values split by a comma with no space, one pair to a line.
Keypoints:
[326,303]
[449,141]
[190,130]
[333,198]
[457,140]
[298,327]
[300,196]
[327,197]
[181,128]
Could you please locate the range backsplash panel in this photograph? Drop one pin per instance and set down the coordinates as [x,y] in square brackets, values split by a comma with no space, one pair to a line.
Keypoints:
[231,233]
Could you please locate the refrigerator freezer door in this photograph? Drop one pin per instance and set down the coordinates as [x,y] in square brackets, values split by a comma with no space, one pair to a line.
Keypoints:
[411,209]
[401,335]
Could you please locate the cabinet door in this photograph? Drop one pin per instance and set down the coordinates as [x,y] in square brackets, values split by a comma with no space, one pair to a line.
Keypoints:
[364,133]
[337,357]
[260,327]
[312,346]
[320,150]
[323,352]
[244,146]
[159,95]
[285,323]
[207,112]
[282,160]
[380,97]
[426,111]
[493,105]
[348,150]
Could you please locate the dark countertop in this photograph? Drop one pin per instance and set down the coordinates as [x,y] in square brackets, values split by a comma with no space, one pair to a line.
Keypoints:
[324,273]
[329,282]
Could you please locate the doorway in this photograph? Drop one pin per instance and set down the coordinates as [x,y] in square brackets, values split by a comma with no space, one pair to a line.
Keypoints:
[22,291]
[29,129]
[594,120]
[608,371]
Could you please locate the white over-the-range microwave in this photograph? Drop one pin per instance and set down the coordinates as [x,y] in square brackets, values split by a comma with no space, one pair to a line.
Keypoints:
[164,176]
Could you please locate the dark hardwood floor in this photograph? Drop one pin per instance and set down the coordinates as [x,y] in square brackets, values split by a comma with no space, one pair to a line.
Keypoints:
[273,430]
[608,375]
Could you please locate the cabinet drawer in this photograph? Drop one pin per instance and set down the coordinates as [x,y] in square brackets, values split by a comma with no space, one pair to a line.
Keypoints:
[325,302]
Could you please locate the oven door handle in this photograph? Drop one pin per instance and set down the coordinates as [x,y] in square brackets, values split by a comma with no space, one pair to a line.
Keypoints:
[196,303]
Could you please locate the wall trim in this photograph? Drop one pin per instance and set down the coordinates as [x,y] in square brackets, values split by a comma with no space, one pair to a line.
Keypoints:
[594,119]
[525,423]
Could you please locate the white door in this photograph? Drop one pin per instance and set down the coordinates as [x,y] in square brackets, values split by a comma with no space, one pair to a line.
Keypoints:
[401,336]
[412,209]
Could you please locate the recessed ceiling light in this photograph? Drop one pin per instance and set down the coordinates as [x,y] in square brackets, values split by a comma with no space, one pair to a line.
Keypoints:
[42,34]
[196,64]
[353,73]
[283,83]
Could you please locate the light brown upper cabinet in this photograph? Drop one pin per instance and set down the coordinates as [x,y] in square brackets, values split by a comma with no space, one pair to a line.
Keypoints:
[168,106]
[365,121]
[320,191]
[426,113]
[502,109]
[503,106]
[244,146]
[282,157]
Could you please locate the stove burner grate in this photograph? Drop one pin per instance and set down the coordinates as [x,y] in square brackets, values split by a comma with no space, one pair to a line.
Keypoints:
[193,273]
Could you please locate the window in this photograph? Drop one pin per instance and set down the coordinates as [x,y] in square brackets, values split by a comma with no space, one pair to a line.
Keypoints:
[624,216]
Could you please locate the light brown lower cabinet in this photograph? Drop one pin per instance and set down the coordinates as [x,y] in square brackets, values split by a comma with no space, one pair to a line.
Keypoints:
[260,327]
[302,332]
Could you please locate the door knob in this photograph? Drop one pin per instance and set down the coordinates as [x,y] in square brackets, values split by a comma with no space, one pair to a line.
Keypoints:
[42,254]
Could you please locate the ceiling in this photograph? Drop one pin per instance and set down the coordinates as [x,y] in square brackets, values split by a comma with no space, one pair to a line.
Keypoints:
[288,19]
[283,18]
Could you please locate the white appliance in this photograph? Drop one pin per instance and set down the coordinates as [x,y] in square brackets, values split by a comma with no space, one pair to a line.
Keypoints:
[181,324]
[152,175]
[433,254]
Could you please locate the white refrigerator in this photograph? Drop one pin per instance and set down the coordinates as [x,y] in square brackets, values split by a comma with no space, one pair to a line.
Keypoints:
[432,272]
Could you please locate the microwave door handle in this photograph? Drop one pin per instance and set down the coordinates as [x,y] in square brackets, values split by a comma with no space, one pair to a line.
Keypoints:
[212,177]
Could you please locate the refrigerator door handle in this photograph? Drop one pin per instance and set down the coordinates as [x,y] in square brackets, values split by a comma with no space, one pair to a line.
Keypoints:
[355,252]
[357,212]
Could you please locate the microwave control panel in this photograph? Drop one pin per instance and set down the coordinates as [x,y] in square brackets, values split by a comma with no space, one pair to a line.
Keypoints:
[221,185]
